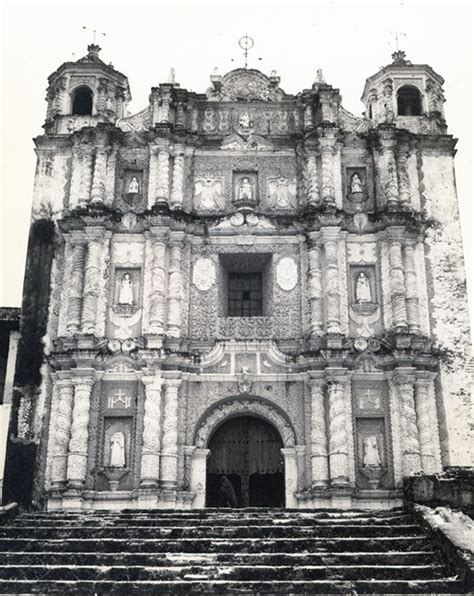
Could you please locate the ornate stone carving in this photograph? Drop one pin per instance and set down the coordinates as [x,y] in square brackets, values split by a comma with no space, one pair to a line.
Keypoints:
[77,458]
[245,327]
[128,253]
[403,178]
[169,448]
[246,84]
[163,182]
[177,187]
[253,142]
[389,173]
[100,169]
[327,169]
[159,284]
[281,192]
[150,461]
[208,193]
[329,238]
[313,182]
[91,286]
[227,409]
[427,425]
[204,274]
[287,273]
[86,176]
[319,449]
[365,252]
[62,430]
[338,439]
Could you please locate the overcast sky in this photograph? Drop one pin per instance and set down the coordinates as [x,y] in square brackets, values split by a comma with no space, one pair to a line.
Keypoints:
[349,41]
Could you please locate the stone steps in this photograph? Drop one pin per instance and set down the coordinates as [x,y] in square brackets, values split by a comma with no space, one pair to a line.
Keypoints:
[254,551]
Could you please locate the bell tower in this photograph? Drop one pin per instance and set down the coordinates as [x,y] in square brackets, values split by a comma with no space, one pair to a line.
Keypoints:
[85,93]
[410,96]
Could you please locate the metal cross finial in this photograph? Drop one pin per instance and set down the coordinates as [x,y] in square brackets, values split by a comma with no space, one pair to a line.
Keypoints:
[246,43]
[94,32]
[396,34]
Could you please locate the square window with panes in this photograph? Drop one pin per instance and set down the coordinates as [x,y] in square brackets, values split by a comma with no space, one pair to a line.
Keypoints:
[244,295]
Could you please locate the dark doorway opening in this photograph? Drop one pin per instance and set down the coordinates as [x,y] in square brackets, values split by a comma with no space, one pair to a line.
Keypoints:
[247,451]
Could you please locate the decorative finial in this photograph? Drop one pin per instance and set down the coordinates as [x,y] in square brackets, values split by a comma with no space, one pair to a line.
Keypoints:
[396,35]
[320,76]
[399,59]
[172,77]
[246,43]
[93,51]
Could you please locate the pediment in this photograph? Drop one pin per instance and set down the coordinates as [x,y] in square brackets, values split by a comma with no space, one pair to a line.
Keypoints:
[246,84]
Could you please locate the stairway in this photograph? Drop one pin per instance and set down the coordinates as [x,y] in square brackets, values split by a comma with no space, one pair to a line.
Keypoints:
[254,551]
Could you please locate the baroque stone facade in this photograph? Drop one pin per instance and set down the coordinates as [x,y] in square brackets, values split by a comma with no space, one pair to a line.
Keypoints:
[356,346]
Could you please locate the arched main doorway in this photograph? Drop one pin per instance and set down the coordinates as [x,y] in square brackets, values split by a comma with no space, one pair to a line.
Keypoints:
[247,450]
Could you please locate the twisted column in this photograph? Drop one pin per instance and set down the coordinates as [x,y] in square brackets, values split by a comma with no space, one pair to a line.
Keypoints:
[91,282]
[86,177]
[403,178]
[77,458]
[397,281]
[163,184]
[158,287]
[411,457]
[315,290]
[427,422]
[76,283]
[177,188]
[301,467]
[412,300]
[175,291]
[329,237]
[100,170]
[308,116]
[61,431]
[150,461]
[390,173]
[75,177]
[319,438]
[327,171]
[338,440]
[313,182]
[152,176]
[169,447]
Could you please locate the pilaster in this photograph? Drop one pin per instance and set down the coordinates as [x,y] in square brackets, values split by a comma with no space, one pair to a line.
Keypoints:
[95,238]
[338,437]
[327,144]
[76,282]
[98,181]
[86,175]
[313,181]
[329,239]
[62,420]
[178,173]
[411,282]
[159,282]
[403,179]
[315,286]
[152,176]
[163,184]
[427,423]
[175,287]
[397,278]
[389,172]
[411,457]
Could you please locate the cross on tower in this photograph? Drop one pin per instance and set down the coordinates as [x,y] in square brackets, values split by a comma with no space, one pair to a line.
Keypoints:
[396,35]
[94,33]
[246,43]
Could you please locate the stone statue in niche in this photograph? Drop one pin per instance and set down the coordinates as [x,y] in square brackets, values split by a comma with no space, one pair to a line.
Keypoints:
[356,183]
[134,186]
[244,120]
[371,453]
[117,450]
[126,290]
[209,194]
[363,294]
[245,190]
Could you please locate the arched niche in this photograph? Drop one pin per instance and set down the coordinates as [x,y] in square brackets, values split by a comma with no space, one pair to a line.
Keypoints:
[82,101]
[409,101]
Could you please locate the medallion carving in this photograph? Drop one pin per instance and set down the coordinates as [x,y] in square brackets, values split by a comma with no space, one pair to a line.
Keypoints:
[204,274]
[287,273]
[365,252]
[128,252]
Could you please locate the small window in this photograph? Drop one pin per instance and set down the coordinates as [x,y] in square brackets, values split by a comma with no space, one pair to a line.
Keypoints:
[82,102]
[244,295]
[408,101]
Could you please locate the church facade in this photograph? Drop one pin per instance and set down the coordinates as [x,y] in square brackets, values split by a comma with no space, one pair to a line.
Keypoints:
[244,283]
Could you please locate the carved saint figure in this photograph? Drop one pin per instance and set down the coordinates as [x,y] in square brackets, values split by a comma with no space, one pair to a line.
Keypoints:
[371,455]
[356,184]
[244,120]
[126,290]
[133,186]
[117,450]
[362,289]
[245,190]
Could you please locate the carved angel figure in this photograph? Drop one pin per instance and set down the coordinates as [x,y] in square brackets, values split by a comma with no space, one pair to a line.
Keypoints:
[117,450]
[371,456]
[208,193]
[362,289]
[133,186]
[126,290]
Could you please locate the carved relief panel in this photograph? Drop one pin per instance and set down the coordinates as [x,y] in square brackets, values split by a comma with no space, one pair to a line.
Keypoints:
[209,194]
[373,456]
[245,189]
[116,444]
